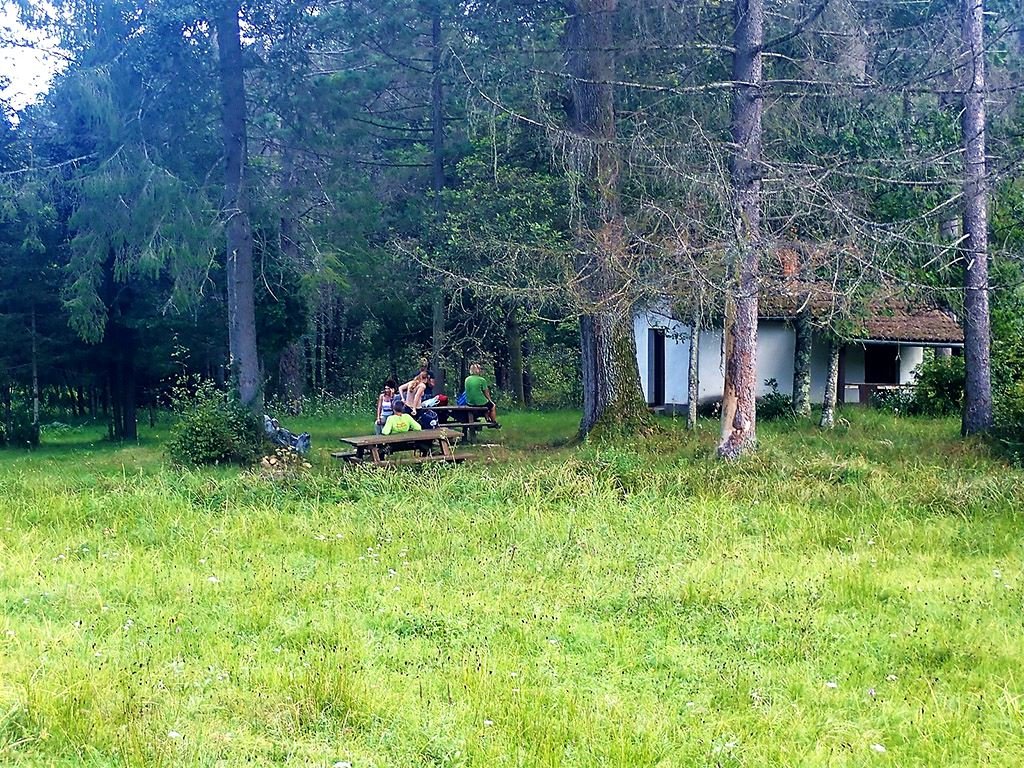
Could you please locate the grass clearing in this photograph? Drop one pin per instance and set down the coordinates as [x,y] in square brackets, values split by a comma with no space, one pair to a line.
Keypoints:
[843,599]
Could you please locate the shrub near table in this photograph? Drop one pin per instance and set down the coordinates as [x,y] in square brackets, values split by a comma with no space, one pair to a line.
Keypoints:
[214,429]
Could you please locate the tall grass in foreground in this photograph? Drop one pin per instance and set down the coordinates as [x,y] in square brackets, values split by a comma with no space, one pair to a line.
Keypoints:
[848,599]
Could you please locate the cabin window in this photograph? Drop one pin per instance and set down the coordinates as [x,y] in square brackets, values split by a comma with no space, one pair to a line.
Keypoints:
[882,364]
[656,366]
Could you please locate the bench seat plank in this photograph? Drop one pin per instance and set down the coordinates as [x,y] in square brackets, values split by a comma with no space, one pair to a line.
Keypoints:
[424,435]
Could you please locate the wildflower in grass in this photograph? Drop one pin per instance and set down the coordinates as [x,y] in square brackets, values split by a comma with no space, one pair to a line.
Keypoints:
[174,735]
[891,678]
[213,580]
[997,574]
[343,764]
[488,723]
[831,684]
[728,746]
[878,748]
[871,692]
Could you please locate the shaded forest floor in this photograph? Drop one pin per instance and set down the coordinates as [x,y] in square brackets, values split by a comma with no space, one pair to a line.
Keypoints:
[852,598]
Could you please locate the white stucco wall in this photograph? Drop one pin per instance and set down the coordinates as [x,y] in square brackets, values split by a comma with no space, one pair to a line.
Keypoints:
[677,354]
[711,376]
[819,367]
[677,363]
[776,346]
[776,349]
[641,324]
[910,358]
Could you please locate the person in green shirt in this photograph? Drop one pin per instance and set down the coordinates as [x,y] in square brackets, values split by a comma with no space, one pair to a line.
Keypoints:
[478,392]
[400,421]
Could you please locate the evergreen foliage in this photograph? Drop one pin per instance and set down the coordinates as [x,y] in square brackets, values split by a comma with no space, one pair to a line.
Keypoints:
[409,158]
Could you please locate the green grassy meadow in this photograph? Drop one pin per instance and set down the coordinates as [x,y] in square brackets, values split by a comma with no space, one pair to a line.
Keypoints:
[842,599]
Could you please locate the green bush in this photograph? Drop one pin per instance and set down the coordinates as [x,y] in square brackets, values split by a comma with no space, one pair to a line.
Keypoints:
[898,401]
[1009,419]
[20,431]
[213,429]
[775,405]
[939,387]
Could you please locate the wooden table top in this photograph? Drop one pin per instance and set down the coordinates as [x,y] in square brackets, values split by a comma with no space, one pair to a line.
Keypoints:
[412,436]
[458,408]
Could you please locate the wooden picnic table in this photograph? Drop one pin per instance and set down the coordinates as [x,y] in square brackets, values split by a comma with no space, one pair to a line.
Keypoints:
[469,419]
[371,448]
[462,414]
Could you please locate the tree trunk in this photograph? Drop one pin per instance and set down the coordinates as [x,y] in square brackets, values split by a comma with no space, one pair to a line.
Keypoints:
[437,186]
[291,372]
[527,376]
[241,290]
[115,420]
[129,411]
[977,416]
[613,399]
[35,371]
[693,373]
[802,364]
[515,359]
[121,375]
[828,409]
[738,399]
[8,415]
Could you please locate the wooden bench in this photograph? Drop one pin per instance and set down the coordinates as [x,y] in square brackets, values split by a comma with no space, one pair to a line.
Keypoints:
[416,460]
[433,444]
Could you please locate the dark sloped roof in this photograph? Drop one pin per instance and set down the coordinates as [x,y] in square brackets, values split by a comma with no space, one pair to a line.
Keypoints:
[928,326]
[882,318]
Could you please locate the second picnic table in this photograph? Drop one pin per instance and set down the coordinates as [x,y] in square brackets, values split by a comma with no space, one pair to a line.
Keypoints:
[373,449]
[467,418]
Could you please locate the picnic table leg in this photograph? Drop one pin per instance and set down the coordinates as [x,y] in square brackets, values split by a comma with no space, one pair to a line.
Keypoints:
[446,448]
[375,453]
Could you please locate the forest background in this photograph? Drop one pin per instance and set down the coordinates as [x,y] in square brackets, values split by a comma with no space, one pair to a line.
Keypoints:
[419,179]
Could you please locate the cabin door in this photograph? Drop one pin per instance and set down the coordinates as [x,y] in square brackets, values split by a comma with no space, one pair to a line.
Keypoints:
[656,368]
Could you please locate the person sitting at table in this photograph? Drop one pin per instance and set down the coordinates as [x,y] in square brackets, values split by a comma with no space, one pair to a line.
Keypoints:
[385,404]
[400,422]
[478,393]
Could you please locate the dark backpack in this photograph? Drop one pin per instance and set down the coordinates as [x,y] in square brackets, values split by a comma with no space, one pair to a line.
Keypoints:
[427,418]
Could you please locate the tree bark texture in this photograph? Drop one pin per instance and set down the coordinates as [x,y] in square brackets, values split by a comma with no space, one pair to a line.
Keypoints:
[977,416]
[291,364]
[828,409]
[612,395]
[515,358]
[241,289]
[738,399]
[122,346]
[802,364]
[693,378]
[437,186]
[35,370]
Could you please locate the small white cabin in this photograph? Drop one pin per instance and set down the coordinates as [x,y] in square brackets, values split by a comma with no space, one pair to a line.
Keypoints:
[891,347]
